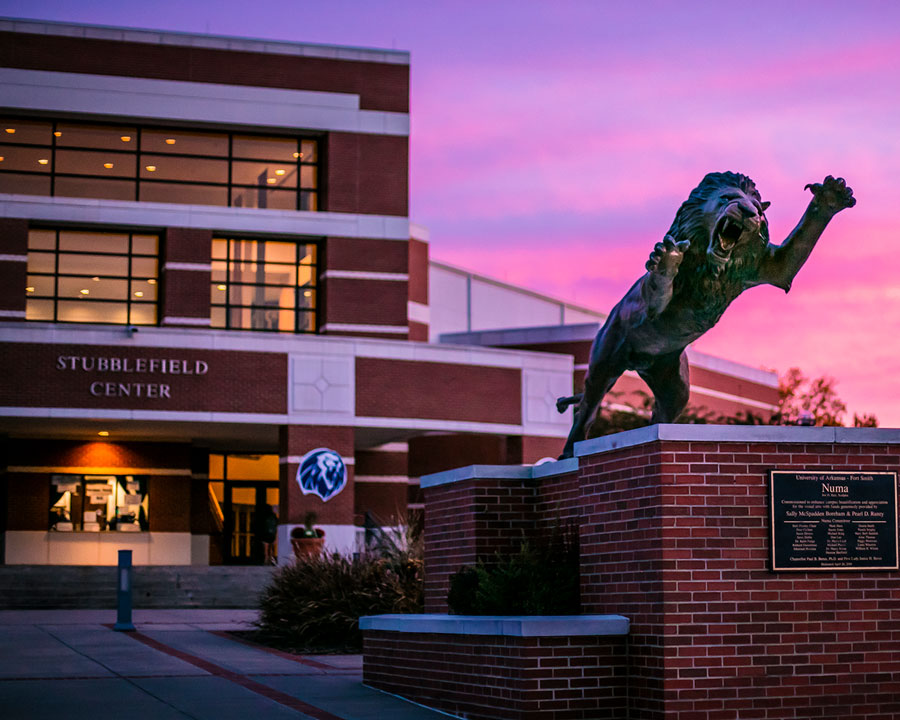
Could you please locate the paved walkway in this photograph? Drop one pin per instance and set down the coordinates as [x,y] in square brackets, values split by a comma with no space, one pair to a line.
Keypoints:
[178,664]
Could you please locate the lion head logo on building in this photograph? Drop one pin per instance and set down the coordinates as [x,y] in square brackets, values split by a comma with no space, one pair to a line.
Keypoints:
[322,472]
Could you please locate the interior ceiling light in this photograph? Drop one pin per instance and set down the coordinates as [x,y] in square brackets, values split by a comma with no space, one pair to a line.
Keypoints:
[138,294]
[170,141]
[298,155]
[151,168]
[125,138]
[220,287]
[95,279]
[2,158]
[11,131]
[107,165]
[57,134]
[29,289]
[151,281]
[279,172]
[103,433]
[271,181]
[43,161]
[85,291]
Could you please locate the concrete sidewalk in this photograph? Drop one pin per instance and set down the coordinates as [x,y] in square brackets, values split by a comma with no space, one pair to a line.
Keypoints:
[178,664]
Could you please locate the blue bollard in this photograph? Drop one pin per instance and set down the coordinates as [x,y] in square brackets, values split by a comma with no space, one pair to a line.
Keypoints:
[123,595]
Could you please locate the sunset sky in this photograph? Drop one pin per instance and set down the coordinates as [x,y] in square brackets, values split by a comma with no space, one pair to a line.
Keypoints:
[552,143]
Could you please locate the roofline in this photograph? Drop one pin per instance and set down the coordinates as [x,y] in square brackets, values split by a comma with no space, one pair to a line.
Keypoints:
[517,288]
[215,42]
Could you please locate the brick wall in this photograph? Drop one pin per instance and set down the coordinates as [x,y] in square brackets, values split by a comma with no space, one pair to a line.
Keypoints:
[13,275]
[408,389]
[185,293]
[514,678]
[381,86]
[468,521]
[674,536]
[35,378]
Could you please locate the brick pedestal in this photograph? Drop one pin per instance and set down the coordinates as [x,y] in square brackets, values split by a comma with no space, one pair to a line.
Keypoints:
[674,536]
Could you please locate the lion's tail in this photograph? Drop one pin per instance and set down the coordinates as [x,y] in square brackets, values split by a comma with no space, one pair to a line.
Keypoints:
[564,402]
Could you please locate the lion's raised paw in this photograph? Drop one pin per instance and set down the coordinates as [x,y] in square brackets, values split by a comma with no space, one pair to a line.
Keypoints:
[667,256]
[832,195]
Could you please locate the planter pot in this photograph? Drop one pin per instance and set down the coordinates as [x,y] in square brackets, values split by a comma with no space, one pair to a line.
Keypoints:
[304,547]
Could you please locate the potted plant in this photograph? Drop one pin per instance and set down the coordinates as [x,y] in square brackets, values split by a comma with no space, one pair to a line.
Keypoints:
[307,540]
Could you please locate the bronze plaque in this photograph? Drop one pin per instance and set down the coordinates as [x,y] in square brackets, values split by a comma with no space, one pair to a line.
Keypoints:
[826,520]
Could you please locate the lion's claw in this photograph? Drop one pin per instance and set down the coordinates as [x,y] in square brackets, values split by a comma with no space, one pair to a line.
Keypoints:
[832,195]
[667,256]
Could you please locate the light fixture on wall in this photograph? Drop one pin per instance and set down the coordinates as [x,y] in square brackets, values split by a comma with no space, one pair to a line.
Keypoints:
[103,433]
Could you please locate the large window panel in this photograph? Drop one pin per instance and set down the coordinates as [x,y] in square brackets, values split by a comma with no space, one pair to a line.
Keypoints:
[152,164]
[92,162]
[94,277]
[184,142]
[184,169]
[22,158]
[95,188]
[30,132]
[265,148]
[183,193]
[101,137]
[263,285]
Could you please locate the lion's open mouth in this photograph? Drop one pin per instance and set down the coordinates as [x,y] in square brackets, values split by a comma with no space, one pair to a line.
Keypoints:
[726,235]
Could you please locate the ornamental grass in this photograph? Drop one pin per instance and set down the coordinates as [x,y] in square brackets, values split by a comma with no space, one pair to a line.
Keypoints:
[315,603]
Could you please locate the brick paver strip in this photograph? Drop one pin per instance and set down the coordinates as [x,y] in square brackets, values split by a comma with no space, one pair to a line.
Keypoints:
[280,653]
[242,680]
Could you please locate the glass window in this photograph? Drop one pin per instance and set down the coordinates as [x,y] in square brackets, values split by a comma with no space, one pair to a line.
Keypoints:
[95,188]
[102,137]
[95,277]
[264,148]
[263,285]
[29,132]
[150,164]
[28,159]
[184,142]
[20,184]
[188,194]
[98,503]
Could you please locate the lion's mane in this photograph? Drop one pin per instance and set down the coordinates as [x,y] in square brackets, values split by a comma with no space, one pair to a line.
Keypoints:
[700,282]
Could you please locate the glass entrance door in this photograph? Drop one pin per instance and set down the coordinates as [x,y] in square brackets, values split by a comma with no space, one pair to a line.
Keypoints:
[250,517]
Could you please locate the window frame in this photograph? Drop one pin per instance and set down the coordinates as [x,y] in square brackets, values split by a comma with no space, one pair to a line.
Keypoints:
[228,305]
[141,517]
[128,279]
[305,199]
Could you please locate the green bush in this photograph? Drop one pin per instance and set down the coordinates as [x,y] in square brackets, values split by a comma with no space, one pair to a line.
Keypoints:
[316,602]
[542,578]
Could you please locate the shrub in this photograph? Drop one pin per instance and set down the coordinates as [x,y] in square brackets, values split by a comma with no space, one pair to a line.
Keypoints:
[316,602]
[542,578]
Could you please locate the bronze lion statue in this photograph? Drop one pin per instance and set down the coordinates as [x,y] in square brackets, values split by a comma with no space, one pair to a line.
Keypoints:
[718,246]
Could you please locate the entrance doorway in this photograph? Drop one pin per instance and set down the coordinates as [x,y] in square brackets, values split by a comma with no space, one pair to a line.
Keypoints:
[244,495]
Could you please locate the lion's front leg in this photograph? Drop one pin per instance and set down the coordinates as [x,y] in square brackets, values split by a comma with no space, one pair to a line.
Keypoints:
[662,267]
[784,261]
[830,196]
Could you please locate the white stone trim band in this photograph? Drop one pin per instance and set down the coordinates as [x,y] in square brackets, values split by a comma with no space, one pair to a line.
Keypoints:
[418,312]
[295,460]
[180,101]
[6,257]
[198,267]
[12,313]
[197,322]
[225,220]
[365,275]
[354,327]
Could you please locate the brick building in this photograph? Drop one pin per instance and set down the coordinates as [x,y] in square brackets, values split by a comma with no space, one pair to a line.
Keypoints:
[209,273]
